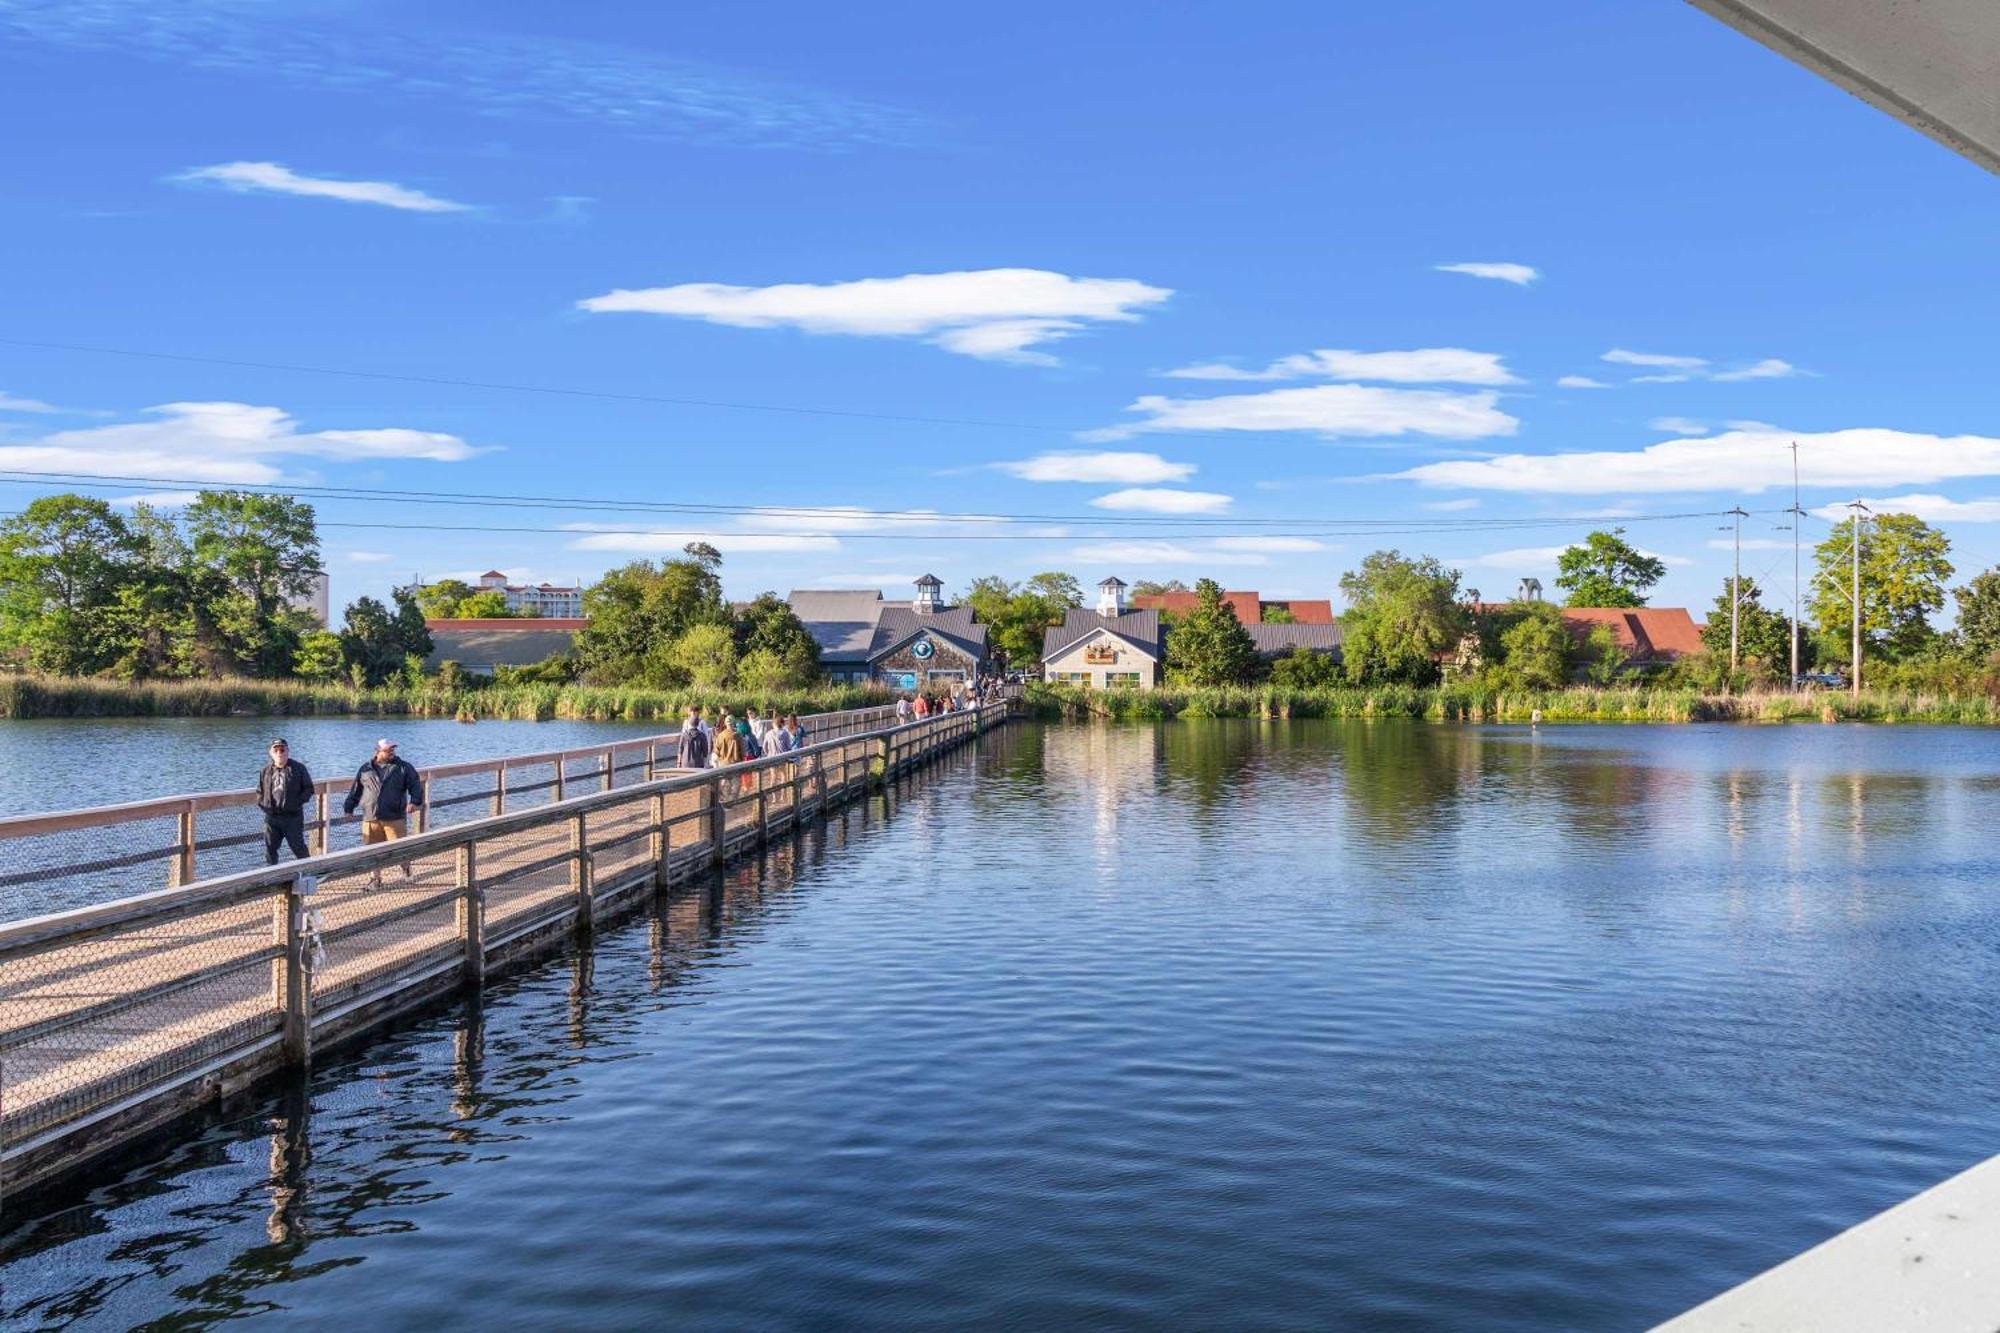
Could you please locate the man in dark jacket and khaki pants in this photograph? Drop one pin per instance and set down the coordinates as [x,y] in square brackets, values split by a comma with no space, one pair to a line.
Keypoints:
[283,789]
[385,790]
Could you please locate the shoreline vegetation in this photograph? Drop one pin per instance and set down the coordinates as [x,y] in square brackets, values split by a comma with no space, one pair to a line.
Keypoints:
[35,696]
[1476,703]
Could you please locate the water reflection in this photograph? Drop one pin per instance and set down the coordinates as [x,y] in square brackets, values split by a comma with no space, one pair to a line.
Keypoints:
[1224,1023]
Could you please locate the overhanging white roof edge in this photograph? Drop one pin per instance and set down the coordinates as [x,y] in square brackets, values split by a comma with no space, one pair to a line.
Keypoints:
[1914,106]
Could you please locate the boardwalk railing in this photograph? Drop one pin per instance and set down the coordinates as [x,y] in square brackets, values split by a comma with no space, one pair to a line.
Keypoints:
[115,1017]
[83,856]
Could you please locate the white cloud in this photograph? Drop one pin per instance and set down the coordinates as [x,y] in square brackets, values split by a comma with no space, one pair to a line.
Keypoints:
[1523,558]
[1679,425]
[1770,368]
[1580,382]
[1619,356]
[1143,554]
[1739,461]
[1518,274]
[1275,545]
[1452,506]
[370,557]
[1930,508]
[1661,379]
[247,177]
[11,403]
[875,579]
[1326,409]
[1156,500]
[157,500]
[656,541]
[1423,365]
[848,518]
[217,443]
[1108,466]
[996,314]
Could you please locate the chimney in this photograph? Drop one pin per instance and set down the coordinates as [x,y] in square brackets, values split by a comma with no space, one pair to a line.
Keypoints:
[929,594]
[1111,597]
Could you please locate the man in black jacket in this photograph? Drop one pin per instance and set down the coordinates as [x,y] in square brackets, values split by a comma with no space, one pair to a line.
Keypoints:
[385,790]
[283,789]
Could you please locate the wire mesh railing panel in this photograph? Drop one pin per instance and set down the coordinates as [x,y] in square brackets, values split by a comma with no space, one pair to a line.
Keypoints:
[458,798]
[525,874]
[369,925]
[530,785]
[58,870]
[621,841]
[632,764]
[83,1025]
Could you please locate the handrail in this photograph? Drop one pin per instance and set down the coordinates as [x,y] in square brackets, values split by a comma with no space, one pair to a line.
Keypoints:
[109,1005]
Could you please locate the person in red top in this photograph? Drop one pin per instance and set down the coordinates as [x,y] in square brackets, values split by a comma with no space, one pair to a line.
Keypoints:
[922,708]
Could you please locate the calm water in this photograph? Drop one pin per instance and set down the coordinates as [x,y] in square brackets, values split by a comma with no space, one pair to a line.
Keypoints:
[1215,1024]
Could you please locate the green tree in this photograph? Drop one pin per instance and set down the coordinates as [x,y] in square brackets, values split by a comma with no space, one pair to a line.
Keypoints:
[319,656]
[63,561]
[1604,656]
[1209,646]
[1979,615]
[486,604]
[252,556]
[1764,636]
[440,600]
[1155,587]
[377,643]
[1403,615]
[1300,668]
[706,656]
[1536,650]
[1905,570]
[774,645]
[1606,570]
[639,611]
[1278,615]
[1015,616]
[1056,589]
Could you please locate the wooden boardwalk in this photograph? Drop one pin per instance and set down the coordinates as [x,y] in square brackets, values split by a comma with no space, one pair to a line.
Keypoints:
[113,1017]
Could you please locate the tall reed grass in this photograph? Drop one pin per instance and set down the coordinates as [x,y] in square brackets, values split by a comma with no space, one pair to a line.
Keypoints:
[1474,703]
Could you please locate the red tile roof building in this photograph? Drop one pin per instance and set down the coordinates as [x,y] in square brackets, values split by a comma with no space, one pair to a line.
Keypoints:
[1645,633]
[1250,608]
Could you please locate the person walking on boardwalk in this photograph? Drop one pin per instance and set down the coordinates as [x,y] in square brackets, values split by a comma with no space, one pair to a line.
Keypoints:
[693,748]
[902,708]
[385,790]
[283,789]
[921,709]
[728,748]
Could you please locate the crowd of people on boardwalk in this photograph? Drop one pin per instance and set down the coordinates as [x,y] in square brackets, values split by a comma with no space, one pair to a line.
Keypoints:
[388,789]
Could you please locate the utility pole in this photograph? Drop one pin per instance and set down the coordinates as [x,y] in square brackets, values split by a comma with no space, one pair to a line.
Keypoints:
[1854,539]
[1736,589]
[1798,518]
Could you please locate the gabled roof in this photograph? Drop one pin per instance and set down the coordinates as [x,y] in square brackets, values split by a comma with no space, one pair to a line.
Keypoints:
[841,620]
[899,623]
[1141,629]
[1249,610]
[1646,633]
[1276,640]
[484,643]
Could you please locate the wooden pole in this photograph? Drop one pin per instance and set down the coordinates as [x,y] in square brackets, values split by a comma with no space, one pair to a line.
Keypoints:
[472,917]
[295,1005]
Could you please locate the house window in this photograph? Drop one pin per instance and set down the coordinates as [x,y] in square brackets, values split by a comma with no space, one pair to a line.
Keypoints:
[1121,680]
[1072,677]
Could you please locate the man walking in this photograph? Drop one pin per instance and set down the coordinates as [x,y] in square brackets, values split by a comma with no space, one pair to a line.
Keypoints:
[693,749]
[283,789]
[385,790]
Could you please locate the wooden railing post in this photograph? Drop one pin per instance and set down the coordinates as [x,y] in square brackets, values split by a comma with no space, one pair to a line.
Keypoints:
[181,870]
[472,917]
[610,768]
[561,776]
[660,844]
[500,788]
[579,871]
[424,810]
[718,815]
[294,997]
[322,798]
[763,805]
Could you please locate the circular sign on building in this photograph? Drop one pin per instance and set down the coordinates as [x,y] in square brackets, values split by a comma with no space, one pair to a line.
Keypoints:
[922,650]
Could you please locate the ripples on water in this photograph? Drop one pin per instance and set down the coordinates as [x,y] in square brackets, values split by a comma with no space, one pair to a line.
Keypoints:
[1285,1025]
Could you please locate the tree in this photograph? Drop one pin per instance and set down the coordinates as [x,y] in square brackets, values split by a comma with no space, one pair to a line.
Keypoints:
[1300,668]
[1905,568]
[1209,646]
[1604,656]
[1764,636]
[1606,570]
[319,656]
[1278,615]
[1155,587]
[639,611]
[253,555]
[1536,649]
[1979,615]
[486,604]
[1403,615]
[63,560]
[377,643]
[1016,616]
[706,655]
[440,600]
[774,645]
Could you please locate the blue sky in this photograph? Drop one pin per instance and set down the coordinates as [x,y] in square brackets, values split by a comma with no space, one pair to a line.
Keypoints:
[1156,277]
